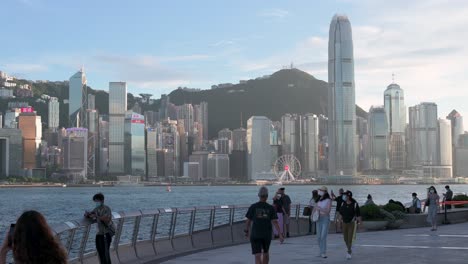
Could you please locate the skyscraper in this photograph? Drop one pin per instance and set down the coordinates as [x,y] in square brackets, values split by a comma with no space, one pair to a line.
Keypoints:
[341,98]
[77,95]
[91,101]
[291,134]
[75,153]
[457,130]
[204,119]
[239,139]
[394,103]
[378,139]
[135,156]
[218,167]
[310,144]
[444,147]
[31,128]
[186,113]
[163,109]
[258,146]
[117,109]
[54,114]
[422,133]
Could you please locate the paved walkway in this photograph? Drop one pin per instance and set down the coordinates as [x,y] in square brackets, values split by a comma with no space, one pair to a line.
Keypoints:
[447,245]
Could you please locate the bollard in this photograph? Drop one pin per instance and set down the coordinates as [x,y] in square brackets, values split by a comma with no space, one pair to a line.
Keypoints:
[446,221]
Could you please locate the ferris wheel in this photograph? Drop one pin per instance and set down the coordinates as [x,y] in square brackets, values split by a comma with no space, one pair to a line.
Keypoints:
[287,168]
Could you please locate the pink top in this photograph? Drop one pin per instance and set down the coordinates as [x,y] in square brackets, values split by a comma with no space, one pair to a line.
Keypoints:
[324,207]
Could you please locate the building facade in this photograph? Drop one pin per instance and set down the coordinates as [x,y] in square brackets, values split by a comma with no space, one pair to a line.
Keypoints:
[258,147]
[422,133]
[117,109]
[218,167]
[310,142]
[31,127]
[135,155]
[11,152]
[77,96]
[378,139]
[395,109]
[54,113]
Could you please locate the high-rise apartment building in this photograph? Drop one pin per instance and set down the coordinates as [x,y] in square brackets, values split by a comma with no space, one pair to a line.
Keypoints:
[378,139]
[31,128]
[77,96]
[54,113]
[341,98]
[258,147]
[117,109]
[395,109]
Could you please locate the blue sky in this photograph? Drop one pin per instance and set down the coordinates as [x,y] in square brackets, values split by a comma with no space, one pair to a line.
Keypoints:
[157,46]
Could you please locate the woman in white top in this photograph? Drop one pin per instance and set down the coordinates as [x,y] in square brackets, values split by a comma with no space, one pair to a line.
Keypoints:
[312,203]
[323,223]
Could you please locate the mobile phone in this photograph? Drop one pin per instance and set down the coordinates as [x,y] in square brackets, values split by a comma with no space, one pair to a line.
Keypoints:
[10,235]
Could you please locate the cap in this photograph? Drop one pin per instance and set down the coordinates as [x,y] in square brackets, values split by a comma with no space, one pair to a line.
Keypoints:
[323,188]
[349,193]
[282,188]
[263,192]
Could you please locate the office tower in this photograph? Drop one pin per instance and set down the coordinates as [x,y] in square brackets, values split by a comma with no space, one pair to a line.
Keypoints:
[238,165]
[258,147]
[341,98]
[239,139]
[204,119]
[378,139]
[394,103]
[93,144]
[191,170]
[103,143]
[31,128]
[186,113]
[291,135]
[422,133]
[225,133]
[218,167]
[117,109]
[457,129]
[169,142]
[310,145]
[444,147]
[223,146]
[461,156]
[137,108]
[201,157]
[184,143]
[323,143]
[11,152]
[91,101]
[197,137]
[77,96]
[362,131]
[151,153]
[11,118]
[54,114]
[163,109]
[75,153]
[135,156]
[151,118]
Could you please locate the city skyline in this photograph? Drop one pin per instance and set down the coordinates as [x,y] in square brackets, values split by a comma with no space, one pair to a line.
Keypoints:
[210,54]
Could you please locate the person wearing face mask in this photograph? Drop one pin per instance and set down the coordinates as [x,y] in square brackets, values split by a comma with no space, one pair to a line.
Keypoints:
[351,214]
[102,214]
[433,203]
[323,223]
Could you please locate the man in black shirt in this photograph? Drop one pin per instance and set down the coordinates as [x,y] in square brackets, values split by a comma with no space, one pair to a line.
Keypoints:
[351,216]
[261,217]
[339,201]
[448,196]
[286,201]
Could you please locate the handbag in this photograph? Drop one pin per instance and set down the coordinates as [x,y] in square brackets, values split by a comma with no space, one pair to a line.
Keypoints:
[315,215]
[307,211]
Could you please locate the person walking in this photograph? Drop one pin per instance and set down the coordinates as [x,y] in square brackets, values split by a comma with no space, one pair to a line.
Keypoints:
[339,201]
[102,214]
[312,203]
[432,202]
[351,218]
[279,209]
[286,201]
[323,223]
[261,217]
[448,196]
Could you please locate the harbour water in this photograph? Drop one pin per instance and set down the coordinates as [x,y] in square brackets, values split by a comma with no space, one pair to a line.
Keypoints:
[63,204]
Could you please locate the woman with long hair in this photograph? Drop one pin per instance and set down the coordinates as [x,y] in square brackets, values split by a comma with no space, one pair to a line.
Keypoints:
[433,201]
[33,242]
[323,223]
[312,203]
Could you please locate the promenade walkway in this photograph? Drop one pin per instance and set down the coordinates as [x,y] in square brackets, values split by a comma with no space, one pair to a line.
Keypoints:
[410,246]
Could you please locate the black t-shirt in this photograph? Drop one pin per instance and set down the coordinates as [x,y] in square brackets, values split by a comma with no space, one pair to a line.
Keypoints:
[349,211]
[339,202]
[261,214]
[286,201]
[278,205]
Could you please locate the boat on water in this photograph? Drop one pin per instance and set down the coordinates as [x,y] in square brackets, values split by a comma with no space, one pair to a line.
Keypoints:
[168,188]
[278,183]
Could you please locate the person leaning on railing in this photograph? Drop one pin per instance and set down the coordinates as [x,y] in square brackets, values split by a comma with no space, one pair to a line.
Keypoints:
[33,242]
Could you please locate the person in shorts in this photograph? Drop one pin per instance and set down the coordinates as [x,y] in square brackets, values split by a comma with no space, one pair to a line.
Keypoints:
[286,201]
[261,217]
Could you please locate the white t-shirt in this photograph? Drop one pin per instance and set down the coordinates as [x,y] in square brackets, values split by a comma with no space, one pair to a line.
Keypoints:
[324,206]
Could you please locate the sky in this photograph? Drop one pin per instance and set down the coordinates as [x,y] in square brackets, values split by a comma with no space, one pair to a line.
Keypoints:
[157,46]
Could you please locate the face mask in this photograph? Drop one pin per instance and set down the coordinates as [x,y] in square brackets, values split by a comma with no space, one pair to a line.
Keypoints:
[98,204]
[431,191]
[320,193]
[344,197]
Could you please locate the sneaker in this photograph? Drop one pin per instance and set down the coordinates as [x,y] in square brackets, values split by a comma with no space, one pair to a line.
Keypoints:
[348,256]
[324,256]
[287,234]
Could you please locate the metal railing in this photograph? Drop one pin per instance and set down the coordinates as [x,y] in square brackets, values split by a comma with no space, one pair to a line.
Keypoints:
[164,225]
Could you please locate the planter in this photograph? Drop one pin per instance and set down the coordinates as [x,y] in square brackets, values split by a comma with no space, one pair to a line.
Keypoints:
[374,225]
[395,224]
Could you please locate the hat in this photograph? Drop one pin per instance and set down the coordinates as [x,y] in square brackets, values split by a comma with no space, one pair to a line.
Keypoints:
[263,192]
[282,188]
[323,188]
[349,193]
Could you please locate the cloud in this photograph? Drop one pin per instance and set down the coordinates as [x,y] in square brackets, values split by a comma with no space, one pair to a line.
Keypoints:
[223,43]
[23,69]
[274,13]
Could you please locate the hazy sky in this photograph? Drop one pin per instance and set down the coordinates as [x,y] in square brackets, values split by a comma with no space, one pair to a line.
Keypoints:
[157,46]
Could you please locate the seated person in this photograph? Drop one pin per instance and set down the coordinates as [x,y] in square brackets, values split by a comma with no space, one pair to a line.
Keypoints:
[415,207]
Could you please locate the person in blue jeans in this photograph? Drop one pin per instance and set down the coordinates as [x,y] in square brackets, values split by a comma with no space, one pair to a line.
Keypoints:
[323,223]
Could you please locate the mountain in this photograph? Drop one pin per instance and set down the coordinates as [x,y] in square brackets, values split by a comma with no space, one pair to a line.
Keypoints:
[285,91]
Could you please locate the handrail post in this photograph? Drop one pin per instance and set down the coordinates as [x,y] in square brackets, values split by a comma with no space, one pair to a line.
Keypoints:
[192,225]
[212,219]
[154,230]
[298,209]
[71,236]
[172,228]
[231,222]
[83,243]
[118,232]
[136,229]
[446,222]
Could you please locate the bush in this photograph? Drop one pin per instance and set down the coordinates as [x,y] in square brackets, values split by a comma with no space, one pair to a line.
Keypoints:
[460,197]
[371,212]
[390,207]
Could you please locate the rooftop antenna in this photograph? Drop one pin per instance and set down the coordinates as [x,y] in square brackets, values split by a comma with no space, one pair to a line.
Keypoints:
[393,77]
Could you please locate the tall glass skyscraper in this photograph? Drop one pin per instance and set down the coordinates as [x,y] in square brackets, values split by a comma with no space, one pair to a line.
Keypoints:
[394,103]
[117,109]
[422,133]
[378,139]
[54,114]
[258,147]
[77,95]
[135,156]
[341,98]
